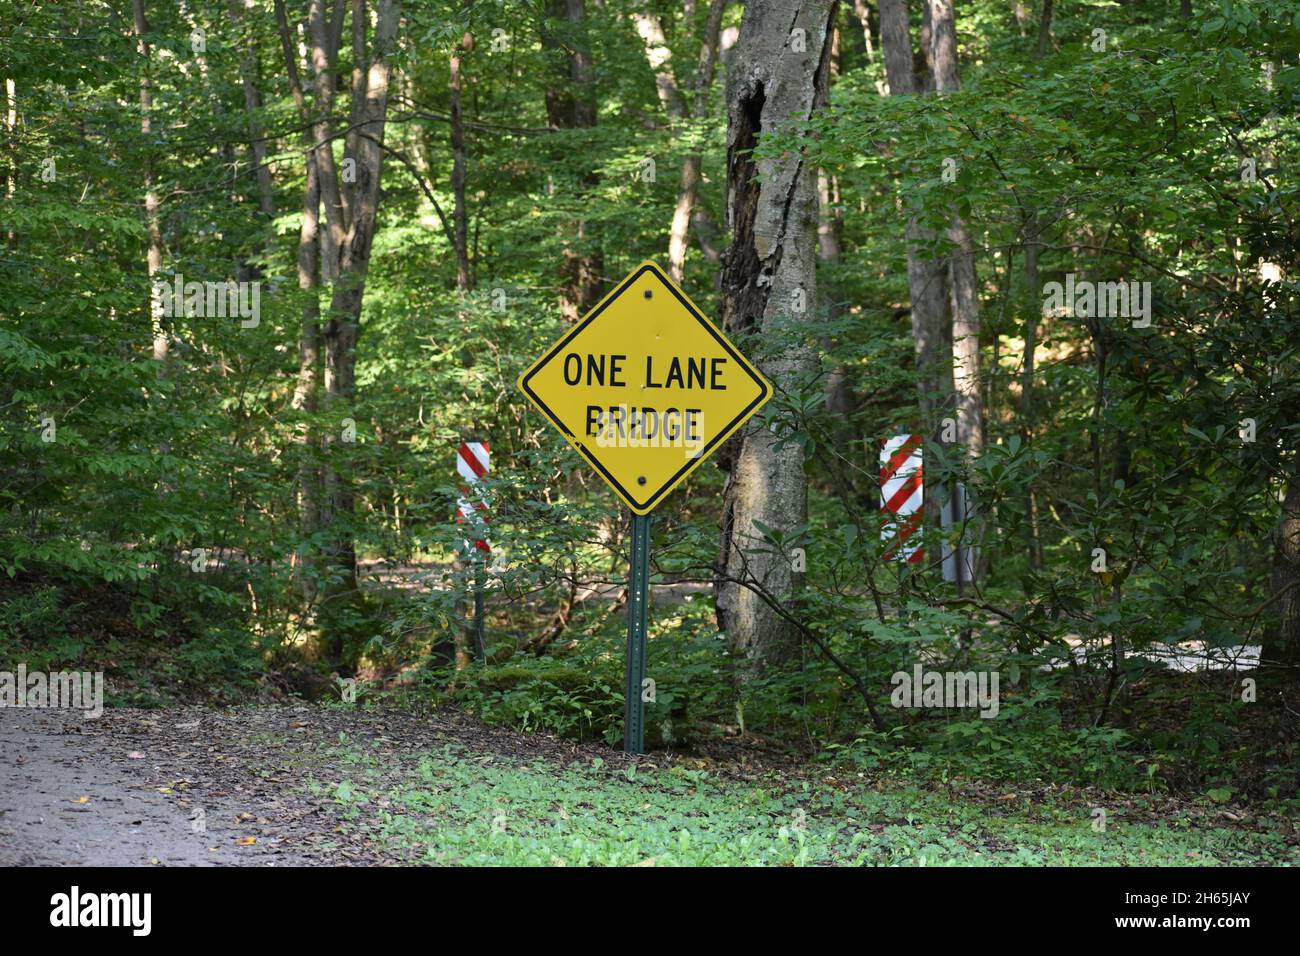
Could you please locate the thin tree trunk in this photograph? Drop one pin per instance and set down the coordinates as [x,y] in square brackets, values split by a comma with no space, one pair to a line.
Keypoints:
[1033,543]
[896,47]
[152,205]
[1044,31]
[322,58]
[771,264]
[927,275]
[1282,643]
[966,341]
[1027,380]
[252,106]
[307,387]
[839,396]
[357,101]
[965,299]
[308,384]
[863,12]
[692,165]
[923,61]
[841,403]
[467,569]
[963,282]
[570,104]
[11,167]
[460,215]
[659,56]
[343,324]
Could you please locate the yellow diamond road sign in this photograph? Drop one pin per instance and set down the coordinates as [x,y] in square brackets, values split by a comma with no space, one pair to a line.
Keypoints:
[645,387]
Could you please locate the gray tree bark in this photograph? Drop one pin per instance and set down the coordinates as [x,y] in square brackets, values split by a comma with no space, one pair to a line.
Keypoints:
[252,105]
[570,104]
[460,212]
[961,262]
[927,274]
[693,164]
[896,46]
[1282,643]
[152,204]
[307,388]
[780,75]
[863,13]
[324,46]
[963,286]
[343,323]
[1044,31]
[659,55]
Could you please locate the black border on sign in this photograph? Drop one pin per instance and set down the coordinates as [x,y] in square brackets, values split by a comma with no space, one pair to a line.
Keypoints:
[764,389]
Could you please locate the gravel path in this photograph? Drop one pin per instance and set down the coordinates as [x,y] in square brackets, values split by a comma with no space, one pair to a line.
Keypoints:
[67,799]
[200,786]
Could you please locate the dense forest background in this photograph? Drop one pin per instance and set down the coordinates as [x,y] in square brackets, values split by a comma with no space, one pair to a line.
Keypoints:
[872,198]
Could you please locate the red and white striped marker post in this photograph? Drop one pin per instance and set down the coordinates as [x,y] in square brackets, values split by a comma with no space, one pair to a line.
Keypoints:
[902,493]
[473,461]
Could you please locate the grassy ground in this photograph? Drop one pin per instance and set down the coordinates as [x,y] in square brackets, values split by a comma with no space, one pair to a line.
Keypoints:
[455,806]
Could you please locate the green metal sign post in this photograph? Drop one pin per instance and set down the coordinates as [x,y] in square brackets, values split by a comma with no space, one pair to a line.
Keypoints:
[480,646]
[637,594]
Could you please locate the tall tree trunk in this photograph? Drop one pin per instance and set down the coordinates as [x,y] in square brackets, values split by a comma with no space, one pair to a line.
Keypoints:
[460,214]
[840,402]
[323,53]
[252,106]
[11,167]
[570,104]
[659,56]
[896,46]
[862,12]
[1033,305]
[923,61]
[692,165]
[467,569]
[307,388]
[961,262]
[927,275]
[1044,31]
[152,205]
[1033,544]
[963,286]
[152,217]
[770,266]
[1282,643]
[343,325]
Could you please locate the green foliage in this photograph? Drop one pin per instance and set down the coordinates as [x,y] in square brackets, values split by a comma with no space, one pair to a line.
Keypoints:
[546,695]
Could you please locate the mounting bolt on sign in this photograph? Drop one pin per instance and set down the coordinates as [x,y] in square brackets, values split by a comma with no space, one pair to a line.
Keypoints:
[645,388]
